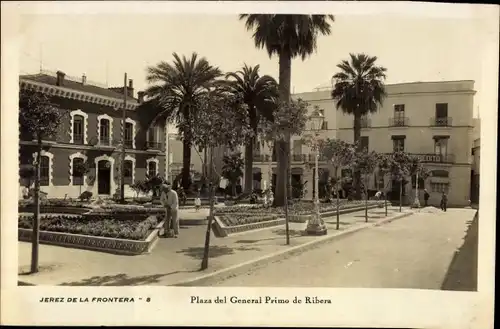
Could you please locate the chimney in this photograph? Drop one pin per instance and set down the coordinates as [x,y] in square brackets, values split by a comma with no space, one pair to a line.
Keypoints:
[84,79]
[140,96]
[130,88]
[60,78]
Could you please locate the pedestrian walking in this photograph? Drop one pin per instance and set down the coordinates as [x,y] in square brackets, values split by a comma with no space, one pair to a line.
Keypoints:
[197,202]
[378,195]
[444,201]
[426,197]
[170,201]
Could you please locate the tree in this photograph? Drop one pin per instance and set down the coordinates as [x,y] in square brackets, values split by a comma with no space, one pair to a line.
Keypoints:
[288,119]
[232,169]
[399,170]
[259,94]
[340,154]
[39,119]
[221,120]
[359,89]
[175,90]
[80,169]
[365,164]
[287,36]
[417,170]
[384,168]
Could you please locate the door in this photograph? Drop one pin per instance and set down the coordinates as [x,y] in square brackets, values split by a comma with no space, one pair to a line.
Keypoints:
[104,177]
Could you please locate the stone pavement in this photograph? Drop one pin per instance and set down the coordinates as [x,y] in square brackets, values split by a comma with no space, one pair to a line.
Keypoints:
[173,260]
[421,251]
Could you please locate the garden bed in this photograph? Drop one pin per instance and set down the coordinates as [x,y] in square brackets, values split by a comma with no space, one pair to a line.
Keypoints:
[244,218]
[124,236]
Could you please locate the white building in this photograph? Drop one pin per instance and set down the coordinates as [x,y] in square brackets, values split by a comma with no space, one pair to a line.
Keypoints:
[433,120]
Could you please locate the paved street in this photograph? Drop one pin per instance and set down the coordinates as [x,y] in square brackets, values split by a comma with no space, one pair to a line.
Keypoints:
[413,252]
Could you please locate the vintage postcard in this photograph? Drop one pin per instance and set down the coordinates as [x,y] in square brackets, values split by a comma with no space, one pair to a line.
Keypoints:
[249,163]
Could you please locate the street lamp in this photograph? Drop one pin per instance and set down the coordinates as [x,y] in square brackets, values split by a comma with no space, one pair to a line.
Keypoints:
[316,226]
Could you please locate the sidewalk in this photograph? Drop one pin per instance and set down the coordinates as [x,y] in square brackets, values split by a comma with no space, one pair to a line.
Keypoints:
[176,260]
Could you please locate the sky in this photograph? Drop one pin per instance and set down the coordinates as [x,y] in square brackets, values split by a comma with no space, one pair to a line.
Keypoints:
[105,46]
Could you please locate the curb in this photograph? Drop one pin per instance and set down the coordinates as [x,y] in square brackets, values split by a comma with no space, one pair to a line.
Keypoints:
[246,266]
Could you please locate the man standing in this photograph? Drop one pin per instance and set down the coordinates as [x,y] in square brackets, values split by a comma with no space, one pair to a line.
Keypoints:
[426,197]
[170,201]
[444,201]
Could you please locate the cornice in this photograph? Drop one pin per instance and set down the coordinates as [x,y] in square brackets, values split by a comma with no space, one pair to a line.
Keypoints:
[75,94]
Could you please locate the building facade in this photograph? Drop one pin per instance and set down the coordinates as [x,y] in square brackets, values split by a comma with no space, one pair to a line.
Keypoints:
[91,133]
[432,120]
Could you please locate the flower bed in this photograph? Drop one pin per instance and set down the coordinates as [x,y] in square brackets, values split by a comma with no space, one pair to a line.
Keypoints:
[241,219]
[103,226]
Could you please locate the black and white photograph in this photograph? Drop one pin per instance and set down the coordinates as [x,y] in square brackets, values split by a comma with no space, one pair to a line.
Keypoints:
[250,148]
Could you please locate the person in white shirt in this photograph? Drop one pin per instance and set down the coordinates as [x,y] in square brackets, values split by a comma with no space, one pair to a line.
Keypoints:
[170,201]
[378,195]
[197,202]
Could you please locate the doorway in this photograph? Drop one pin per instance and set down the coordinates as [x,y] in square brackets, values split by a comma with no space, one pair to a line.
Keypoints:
[104,177]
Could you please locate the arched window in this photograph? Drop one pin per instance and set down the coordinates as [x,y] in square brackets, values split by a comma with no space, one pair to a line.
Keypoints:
[152,168]
[44,170]
[78,129]
[78,171]
[128,168]
[104,132]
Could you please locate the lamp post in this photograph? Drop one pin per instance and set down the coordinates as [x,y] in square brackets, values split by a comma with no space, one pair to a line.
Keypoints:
[316,226]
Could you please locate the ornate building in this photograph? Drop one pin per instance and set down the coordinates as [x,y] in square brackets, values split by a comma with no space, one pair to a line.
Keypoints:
[91,133]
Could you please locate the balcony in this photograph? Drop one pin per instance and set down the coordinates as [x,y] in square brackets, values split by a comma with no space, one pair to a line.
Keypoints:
[399,122]
[261,157]
[441,122]
[78,139]
[299,157]
[104,141]
[365,123]
[129,144]
[156,146]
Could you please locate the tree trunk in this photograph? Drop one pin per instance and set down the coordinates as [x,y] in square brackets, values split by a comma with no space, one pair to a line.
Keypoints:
[186,164]
[357,138]
[249,165]
[366,200]
[35,235]
[400,194]
[285,71]
[287,225]
[206,250]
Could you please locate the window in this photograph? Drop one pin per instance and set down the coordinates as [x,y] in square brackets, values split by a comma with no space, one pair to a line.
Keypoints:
[364,142]
[151,168]
[44,170]
[78,172]
[128,167]
[78,124]
[441,146]
[153,137]
[398,143]
[440,187]
[399,111]
[297,146]
[129,132]
[441,110]
[104,132]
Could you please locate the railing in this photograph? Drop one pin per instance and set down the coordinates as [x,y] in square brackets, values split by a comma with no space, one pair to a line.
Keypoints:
[78,139]
[103,141]
[129,144]
[441,122]
[299,157]
[365,123]
[154,145]
[261,157]
[398,122]
[294,157]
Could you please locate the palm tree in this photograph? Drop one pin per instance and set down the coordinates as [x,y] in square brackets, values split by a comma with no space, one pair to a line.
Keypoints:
[287,36]
[176,88]
[359,89]
[259,94]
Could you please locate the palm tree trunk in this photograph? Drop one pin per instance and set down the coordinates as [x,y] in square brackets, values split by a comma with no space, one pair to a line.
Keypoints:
[285,75]
[186,164]
[400,194]
[249,165]
[337,187]
[366,200]
[357,138]
[35,235]
[206,250]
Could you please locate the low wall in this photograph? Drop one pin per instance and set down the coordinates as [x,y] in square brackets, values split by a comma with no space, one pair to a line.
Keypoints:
[95,243]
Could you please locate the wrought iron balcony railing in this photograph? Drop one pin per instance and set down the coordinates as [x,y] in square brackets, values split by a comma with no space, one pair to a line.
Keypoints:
[129,144]
[365,122]
[434,158]
[78,139]
[299,157]
[154,145]
[104,141]
[399,122]
[261,157]
[441,122]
